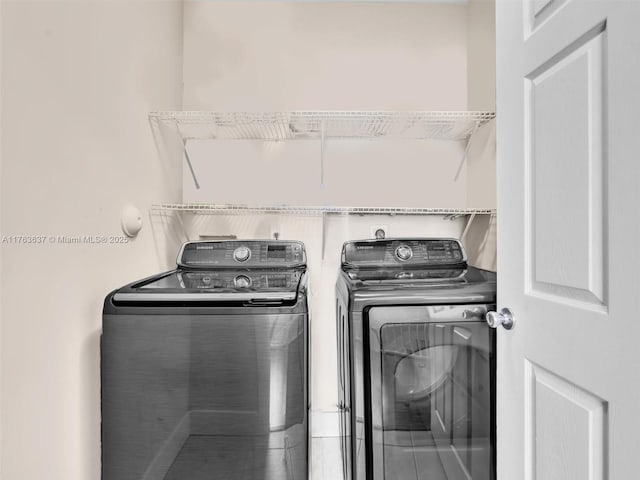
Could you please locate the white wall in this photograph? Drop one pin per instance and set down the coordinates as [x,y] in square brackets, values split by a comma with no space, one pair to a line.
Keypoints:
[363,173]
[481,87]
[481,160]
[481,55]
[78,79]
[272,56]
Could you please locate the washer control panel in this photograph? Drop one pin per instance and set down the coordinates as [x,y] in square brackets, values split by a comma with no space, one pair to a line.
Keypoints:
[411,252]
[245,254]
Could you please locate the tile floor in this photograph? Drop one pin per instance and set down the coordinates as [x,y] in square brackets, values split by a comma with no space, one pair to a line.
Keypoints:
[205,457]
[326,459]
[326,462]
[208,456]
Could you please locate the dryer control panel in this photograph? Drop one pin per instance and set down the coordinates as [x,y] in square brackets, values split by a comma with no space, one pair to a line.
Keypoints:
[415,252]
[242,254]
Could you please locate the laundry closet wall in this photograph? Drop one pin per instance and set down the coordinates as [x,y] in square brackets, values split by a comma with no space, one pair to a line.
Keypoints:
[481,162]
[281,56]
[78,80]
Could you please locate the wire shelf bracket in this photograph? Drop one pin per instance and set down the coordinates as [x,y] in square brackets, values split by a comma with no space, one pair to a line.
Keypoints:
[190,165]
[466,151]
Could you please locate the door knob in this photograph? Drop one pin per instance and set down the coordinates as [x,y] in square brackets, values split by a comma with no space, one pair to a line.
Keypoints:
[504,318]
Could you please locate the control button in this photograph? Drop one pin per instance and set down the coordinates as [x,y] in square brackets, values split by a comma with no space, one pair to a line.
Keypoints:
[206,281]
[403,275]
[242,281]
[404,252]
[241,254]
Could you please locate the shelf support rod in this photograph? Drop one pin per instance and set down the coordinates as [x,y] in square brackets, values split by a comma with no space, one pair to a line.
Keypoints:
[486,233]
[186,156]
[466,149]
[472,217]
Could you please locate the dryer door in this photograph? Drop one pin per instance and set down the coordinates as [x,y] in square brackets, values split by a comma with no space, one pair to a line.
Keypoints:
[429,406]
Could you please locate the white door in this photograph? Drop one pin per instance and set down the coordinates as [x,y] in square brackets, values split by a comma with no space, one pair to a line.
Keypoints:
[568,94]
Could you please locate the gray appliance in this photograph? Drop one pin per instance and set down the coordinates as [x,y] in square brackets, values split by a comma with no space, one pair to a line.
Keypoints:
[205,367]
[416,362]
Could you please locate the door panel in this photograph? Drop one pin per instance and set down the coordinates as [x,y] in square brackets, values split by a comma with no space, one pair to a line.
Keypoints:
[562,417]
[568,373]
[565,173]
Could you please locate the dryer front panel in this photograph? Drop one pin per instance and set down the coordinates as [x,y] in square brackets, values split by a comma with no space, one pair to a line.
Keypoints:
[429,412]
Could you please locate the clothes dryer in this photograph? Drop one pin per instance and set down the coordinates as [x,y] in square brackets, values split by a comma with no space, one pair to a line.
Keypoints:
[416,362]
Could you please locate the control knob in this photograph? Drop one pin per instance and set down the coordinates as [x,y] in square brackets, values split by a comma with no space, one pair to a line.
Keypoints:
[241,254]
[242,281]
[404,252]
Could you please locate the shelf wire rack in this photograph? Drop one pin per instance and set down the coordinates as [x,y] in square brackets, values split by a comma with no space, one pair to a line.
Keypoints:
[440,125]
[322,212]
[233,209]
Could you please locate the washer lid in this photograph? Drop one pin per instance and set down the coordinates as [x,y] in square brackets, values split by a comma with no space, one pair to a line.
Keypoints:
[215,285]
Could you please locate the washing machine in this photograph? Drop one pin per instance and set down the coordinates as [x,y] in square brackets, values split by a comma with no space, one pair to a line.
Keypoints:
[416,362]
[204,368]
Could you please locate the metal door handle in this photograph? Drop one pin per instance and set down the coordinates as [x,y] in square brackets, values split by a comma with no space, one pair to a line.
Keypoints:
[504,318]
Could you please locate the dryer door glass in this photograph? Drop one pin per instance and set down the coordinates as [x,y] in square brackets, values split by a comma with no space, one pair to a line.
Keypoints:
[431,394]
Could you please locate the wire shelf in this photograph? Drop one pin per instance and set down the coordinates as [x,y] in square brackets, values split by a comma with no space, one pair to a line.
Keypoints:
[453,125]
[228,209]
